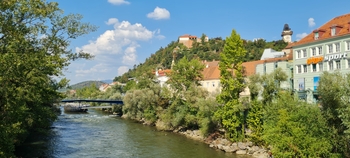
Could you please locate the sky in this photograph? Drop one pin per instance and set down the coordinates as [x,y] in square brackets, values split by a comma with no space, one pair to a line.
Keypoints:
[129,31]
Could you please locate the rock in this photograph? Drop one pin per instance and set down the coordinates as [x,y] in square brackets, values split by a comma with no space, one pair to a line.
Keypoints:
[197,133]
[250,144]
[241,146]
[255,148]
[260,155]
[220,147]
[211,145]
[225,142]
[230,149]
[241,152]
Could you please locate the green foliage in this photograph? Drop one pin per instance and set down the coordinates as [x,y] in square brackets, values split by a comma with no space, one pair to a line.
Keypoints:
[232,82]
[296,129]
[271,83]
[256,48]
[255,122]
[185,73]
[334,90]
[142,104]
[34,42]
[87,92]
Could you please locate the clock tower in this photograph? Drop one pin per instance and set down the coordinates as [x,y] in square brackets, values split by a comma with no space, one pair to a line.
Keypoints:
[287,34]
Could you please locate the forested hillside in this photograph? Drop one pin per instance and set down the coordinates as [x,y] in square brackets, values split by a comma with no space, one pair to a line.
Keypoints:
[203,50]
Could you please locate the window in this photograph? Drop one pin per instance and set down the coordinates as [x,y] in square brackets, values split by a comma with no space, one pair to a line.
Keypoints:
[330,48]
[333,31]
[314,66]
[330,65]
[207,84]
[298,69]
[320,50]
[298,54]
[313,50]
[348,63]
[337,64]
[337,47]
[304,53]
[305,68]
[347,45]
[213,84]
[320,66]
[276,65]
[316,35]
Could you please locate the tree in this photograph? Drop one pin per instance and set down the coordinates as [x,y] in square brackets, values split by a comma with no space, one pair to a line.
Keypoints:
[232,82]
[185,73]
[334,91]
[34,42]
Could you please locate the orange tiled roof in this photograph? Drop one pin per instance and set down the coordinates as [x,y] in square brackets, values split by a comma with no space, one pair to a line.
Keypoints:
[211,73]
[162,72]
[342,24]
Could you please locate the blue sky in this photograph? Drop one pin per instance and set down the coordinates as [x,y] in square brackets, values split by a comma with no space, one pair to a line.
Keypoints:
[129,31]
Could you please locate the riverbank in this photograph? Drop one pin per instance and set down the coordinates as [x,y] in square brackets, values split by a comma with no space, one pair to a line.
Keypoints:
[215,140]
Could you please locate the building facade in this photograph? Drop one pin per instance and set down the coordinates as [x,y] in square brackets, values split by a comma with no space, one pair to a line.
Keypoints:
[211,77]
[325,49]
[188,40]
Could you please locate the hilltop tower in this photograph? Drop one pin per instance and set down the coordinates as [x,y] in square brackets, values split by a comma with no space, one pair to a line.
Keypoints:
[287,34]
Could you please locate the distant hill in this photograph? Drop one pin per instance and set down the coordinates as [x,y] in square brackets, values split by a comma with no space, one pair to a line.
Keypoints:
[82,85]
[107,81]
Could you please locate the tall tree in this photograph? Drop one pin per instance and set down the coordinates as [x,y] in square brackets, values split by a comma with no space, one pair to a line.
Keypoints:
[34,42]
[232,82]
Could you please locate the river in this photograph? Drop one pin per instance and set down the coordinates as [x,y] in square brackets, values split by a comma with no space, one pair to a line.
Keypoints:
[95,134]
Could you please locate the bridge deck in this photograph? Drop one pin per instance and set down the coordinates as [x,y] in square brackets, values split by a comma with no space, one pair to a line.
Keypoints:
[96,107]
[91,100]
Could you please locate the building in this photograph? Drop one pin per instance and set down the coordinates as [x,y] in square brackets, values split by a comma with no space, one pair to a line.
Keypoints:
[188,40]
[105,86]
[162,76]
[211,76]
[324,49]
[266,66]
[287,34]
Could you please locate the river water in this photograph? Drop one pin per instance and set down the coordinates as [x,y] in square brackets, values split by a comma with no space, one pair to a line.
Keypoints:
[95,134]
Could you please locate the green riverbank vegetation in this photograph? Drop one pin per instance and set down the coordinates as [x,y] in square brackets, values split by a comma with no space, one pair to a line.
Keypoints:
[34,40]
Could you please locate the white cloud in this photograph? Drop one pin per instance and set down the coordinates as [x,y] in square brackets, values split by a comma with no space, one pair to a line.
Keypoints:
[115,51]
[99,68]
[159,13]
[118,2]
[311,22]
[114,41]
[301,35]
[122,70]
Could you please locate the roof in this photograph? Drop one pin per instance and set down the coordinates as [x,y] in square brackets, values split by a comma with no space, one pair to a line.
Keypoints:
[341,22]
[270,53]
[189,36]
[211,73]
[162,72]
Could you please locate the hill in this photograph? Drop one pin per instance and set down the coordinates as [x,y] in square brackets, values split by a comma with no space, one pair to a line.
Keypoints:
[209,51]
[82,85]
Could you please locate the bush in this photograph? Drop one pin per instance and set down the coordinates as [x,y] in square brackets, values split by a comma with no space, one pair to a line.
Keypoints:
[296,129]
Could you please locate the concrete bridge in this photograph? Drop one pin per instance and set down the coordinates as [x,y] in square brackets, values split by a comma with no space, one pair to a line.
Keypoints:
[92,100]
[83,108]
